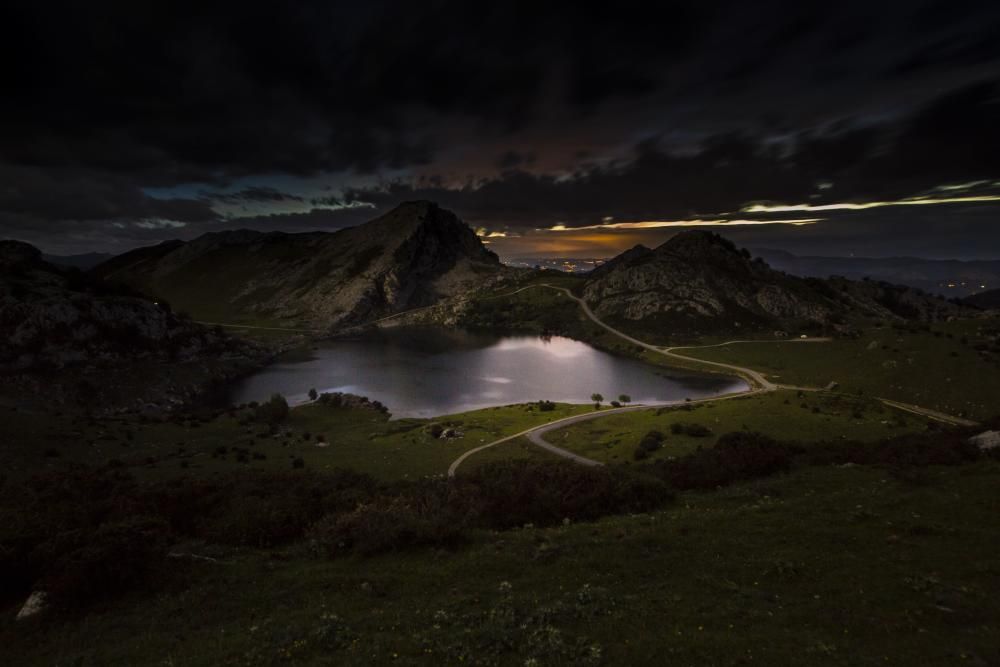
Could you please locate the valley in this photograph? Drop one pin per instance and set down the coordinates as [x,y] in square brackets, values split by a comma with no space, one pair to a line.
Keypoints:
[540,461]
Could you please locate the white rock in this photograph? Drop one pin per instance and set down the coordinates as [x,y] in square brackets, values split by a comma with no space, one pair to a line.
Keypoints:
[34,605]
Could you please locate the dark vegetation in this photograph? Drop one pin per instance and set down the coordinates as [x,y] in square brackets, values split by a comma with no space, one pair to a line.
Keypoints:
[87,533]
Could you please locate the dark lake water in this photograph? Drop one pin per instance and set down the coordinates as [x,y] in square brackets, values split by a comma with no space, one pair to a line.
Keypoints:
[431,372]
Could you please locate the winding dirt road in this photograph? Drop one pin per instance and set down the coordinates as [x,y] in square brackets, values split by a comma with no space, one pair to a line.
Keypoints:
[756,381]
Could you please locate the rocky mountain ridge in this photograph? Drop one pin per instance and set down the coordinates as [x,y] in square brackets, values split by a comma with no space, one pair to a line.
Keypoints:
[413,256]
[700,282]
[59,324]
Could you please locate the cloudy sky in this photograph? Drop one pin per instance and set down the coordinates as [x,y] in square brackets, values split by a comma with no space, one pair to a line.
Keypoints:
[864,127]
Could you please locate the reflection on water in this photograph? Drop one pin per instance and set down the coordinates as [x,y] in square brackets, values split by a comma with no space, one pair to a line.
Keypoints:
[429,372]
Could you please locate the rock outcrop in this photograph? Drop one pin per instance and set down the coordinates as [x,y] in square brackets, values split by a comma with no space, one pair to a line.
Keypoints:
[67,337]
[700,282]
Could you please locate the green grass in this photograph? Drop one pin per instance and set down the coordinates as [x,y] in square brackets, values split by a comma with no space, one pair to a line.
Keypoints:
[823,566]
[359,439]
[933,371]
[780,414]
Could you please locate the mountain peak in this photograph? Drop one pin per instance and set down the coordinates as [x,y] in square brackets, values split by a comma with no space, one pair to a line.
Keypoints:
[699,242]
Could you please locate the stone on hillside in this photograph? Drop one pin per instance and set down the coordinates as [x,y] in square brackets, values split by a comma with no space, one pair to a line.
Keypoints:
[986,440]
[36,603]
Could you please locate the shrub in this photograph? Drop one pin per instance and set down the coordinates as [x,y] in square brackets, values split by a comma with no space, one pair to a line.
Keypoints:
[270,509]
[652,441]
[909,450]
[690,428]
[273,411]
[736,456]
[546,406]
[116,557]
[388,523]
[514,493]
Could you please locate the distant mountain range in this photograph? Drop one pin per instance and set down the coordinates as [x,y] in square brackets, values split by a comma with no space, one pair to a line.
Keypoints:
[949,277]
[83,262]
[699,282]
[412,256]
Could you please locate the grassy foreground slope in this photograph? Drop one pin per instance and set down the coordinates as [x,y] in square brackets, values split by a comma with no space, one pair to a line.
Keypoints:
[321,437]
[786,414]
[825,566]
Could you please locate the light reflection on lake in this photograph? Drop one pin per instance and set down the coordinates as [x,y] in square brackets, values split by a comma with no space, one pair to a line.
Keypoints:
[430,372]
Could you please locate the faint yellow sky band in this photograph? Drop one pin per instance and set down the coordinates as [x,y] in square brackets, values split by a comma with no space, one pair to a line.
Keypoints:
[847,206]
[657,224]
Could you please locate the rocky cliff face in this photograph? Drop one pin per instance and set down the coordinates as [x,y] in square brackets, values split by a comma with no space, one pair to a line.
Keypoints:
[700,282]
[60,323]
[411,257]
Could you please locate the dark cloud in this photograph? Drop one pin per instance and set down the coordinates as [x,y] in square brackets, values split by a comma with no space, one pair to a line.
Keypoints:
[951,140]
[548,112]
[511,159]
[255,194]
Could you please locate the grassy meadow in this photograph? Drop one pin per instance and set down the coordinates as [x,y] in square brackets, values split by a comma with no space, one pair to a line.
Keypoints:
[785,415]
[940,369]
[822,566]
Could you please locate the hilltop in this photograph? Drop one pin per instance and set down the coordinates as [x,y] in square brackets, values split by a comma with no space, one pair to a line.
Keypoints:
[413,256]
[700,282]
[67,337]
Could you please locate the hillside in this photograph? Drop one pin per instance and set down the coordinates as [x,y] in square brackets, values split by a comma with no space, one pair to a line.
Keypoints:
[413,256]
[987,300]
[700,282]
[948,277]
[59,323]
[83,262]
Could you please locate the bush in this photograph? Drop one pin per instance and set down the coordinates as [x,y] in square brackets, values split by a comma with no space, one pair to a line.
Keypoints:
[736,456]
[266,509]
[514,493]
[909,450]
[388,523]
[546,406]
[273,411]
[649,443]
[116,557]
[690,428]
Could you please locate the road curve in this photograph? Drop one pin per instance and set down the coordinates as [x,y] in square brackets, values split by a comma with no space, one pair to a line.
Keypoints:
[753,377]
[757,384]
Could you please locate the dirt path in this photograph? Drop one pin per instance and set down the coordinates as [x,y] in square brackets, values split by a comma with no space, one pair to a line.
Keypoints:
[757,384]
[756,381]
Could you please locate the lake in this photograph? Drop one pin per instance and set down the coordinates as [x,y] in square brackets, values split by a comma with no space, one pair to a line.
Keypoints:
[431,372]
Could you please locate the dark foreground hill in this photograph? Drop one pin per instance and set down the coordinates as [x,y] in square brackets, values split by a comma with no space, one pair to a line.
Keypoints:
[700,282]
[413,256]
[67,336]
[987,300]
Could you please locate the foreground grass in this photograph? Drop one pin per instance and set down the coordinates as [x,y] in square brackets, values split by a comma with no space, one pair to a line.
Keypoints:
[823,566]
[784,415]
[362,440]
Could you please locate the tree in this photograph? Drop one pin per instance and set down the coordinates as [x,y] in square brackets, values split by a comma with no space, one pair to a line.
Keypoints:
[312,394]
[597,399]
[624,398]
[273,411]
